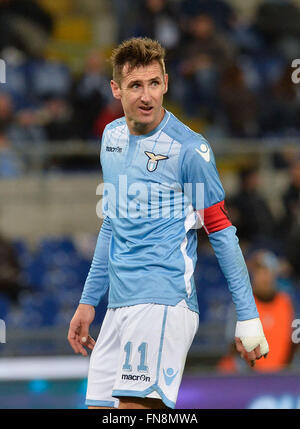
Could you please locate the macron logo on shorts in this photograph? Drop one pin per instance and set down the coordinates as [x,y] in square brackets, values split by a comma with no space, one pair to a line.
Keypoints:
[135,377]
[169,376]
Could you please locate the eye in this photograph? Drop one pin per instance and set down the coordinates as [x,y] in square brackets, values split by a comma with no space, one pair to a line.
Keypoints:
[155,83]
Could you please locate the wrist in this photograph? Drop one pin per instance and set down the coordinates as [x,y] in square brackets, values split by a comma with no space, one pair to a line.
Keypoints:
[249,328]
[86,307]
[88,301]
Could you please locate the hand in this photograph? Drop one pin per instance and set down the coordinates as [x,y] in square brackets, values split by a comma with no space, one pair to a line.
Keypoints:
[78,334]
[250,340]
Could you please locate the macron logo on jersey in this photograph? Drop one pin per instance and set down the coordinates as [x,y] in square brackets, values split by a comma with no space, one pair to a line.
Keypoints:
[204,152]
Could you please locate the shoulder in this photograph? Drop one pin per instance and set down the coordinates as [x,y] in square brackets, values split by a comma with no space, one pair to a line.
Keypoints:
[117,123]
[189,139]
[180,131]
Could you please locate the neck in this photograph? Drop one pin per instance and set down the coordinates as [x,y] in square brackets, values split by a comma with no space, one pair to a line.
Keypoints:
[138,128]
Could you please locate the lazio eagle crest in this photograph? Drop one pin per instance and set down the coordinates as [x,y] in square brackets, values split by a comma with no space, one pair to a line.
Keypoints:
[153,160]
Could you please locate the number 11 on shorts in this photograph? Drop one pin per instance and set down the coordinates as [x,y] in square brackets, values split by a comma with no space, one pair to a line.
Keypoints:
[142,349]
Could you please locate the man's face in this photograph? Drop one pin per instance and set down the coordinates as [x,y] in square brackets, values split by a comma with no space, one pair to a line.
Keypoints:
[141,93]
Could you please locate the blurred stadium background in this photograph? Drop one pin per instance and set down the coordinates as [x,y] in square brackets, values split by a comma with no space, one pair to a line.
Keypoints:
[230,78]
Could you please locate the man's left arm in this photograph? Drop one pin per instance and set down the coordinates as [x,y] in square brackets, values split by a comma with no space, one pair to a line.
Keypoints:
[198,166]
[249,333]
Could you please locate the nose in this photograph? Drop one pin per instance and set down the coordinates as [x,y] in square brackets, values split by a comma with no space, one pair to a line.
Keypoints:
[145,98]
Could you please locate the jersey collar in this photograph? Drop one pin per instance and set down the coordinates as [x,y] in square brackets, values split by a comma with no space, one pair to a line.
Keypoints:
[155,130]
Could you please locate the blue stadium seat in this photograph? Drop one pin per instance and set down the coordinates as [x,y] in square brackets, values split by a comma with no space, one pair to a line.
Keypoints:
[5,305]
[34,274]
[56,251]
[39,310]
[212,290]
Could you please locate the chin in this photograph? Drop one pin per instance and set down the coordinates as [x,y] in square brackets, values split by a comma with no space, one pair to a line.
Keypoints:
[145,121]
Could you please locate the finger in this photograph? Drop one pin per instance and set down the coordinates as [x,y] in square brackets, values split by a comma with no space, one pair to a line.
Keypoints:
[82,351]
[240,348]
[84,333]
[90,342]
[80,348]
[257,352]
[251,357]
[76,344]
[239,345]
[244,355]
[75,338]
[72,339]
[72,332]
[264,346]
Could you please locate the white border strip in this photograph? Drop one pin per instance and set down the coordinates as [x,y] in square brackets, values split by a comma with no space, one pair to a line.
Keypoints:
[189,267]
[40,367]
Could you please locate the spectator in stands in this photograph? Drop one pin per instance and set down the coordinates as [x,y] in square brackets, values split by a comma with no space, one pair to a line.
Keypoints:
[17,80]
[292,252]
[291,197]
[280,114]
[10,270]
[22,129]
[111,112]
[57,120]
[249,210]
[204,57]
[290,222]
[10,164]
[220,11]
[90,94]
[24,25]
[6,110]
[158,20]
[278,22]
[125,14]
[238,103]
[276,311]
[49,78]
[26,130]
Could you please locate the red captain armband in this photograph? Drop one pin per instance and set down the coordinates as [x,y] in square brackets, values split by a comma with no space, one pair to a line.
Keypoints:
[216,218]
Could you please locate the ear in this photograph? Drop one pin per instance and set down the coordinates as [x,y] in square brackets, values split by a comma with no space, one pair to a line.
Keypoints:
[166,79]
[116,90]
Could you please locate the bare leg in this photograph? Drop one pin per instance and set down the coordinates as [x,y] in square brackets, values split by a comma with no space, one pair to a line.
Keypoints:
[104,408]
[127,402]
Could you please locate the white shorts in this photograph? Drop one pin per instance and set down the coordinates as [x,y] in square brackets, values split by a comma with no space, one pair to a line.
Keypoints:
[141,352]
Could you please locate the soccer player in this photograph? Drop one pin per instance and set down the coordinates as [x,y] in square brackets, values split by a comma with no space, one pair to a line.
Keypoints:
[160,185]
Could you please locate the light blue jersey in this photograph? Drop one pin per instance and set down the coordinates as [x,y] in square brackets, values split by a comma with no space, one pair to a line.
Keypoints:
[146,249]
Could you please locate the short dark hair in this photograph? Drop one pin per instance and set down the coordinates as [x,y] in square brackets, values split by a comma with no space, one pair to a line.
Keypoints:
[137,51]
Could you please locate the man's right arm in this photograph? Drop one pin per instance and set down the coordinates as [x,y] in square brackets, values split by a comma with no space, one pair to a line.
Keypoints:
[95,287]
[97,280]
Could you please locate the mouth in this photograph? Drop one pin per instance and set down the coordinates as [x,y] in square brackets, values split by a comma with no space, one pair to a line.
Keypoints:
[146,109]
